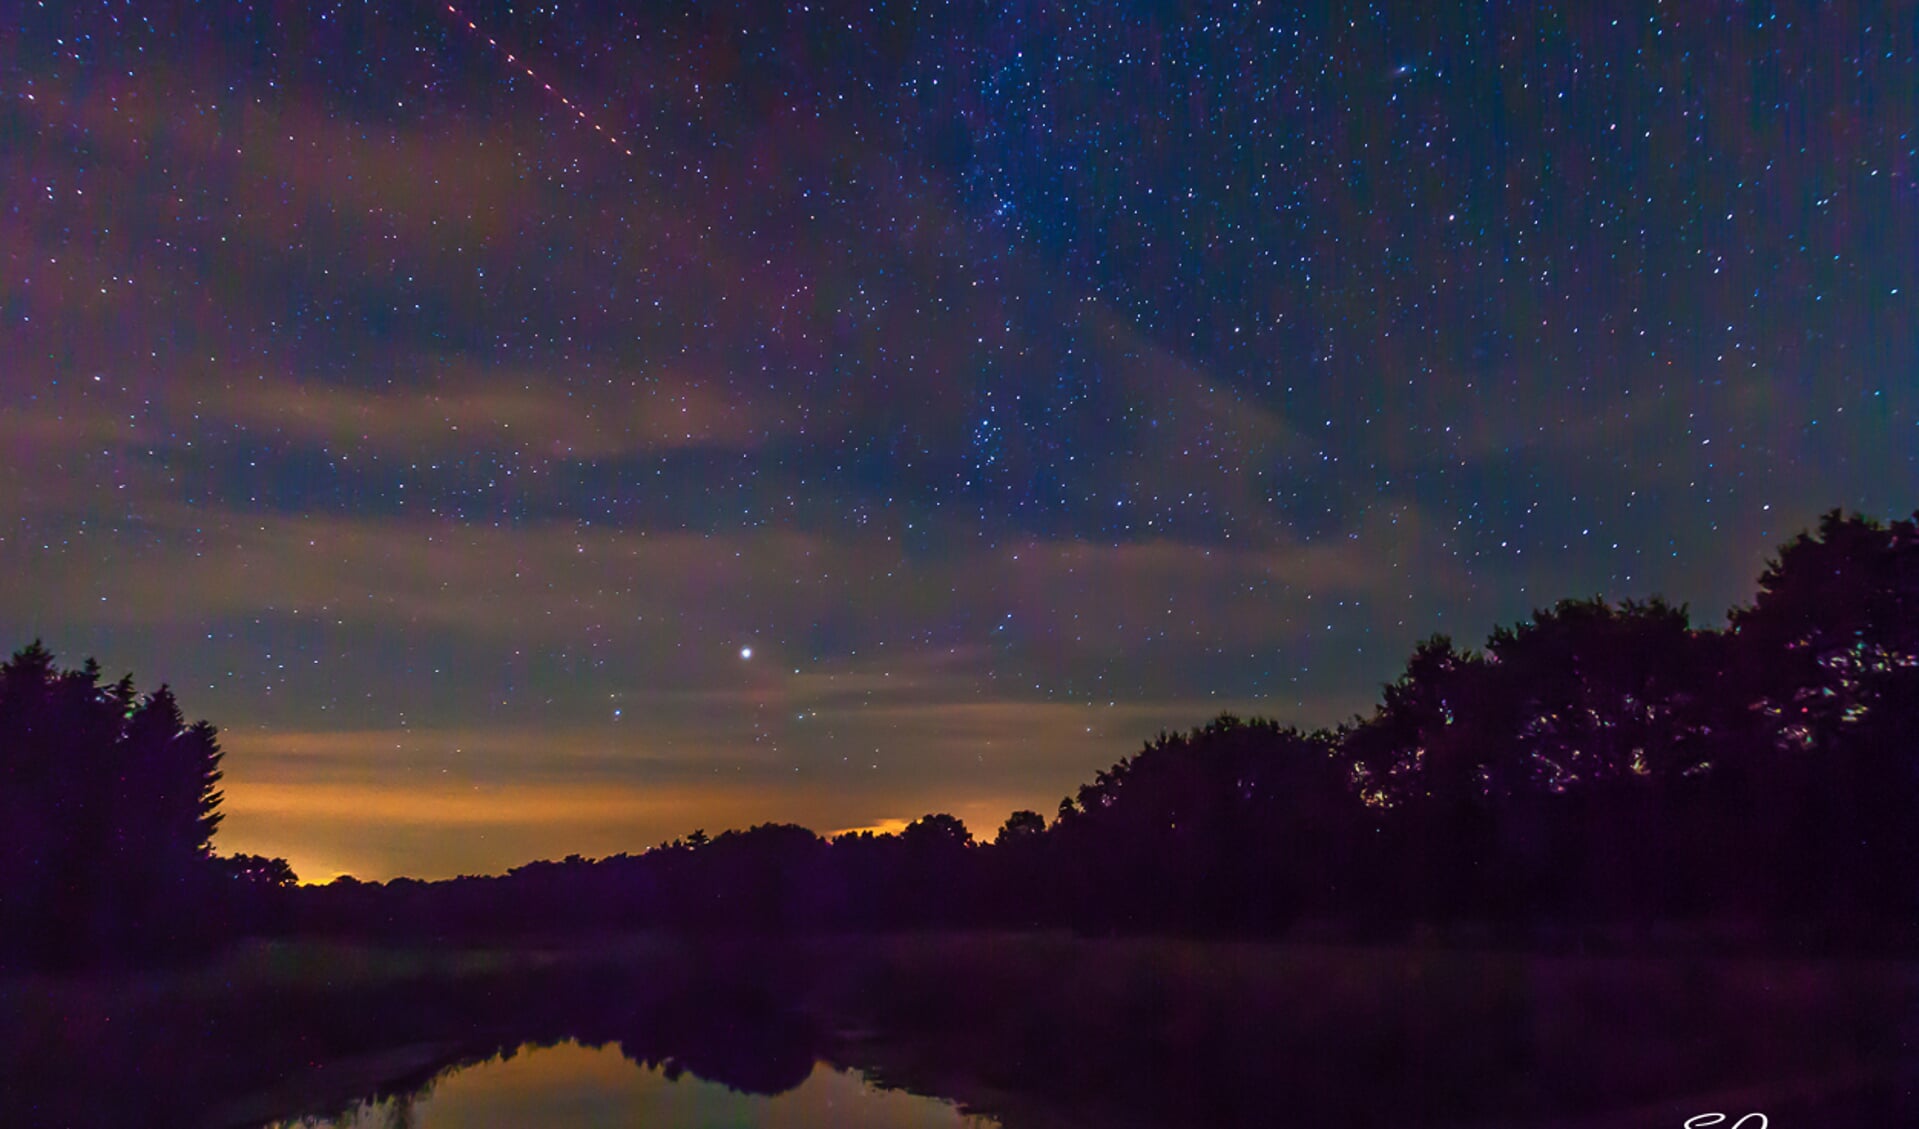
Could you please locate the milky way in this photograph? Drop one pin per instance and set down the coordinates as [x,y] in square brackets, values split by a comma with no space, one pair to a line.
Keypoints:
[936,402]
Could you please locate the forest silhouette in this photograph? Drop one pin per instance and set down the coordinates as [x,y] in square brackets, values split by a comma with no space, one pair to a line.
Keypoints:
[1597,765]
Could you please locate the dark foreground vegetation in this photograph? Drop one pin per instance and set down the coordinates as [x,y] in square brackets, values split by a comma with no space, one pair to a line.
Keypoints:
[108,804]
[1597,767]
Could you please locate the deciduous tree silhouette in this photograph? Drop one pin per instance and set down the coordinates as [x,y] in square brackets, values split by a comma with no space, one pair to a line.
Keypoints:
[1020,827]
[1598,763]
[1826,664]
[1236,825]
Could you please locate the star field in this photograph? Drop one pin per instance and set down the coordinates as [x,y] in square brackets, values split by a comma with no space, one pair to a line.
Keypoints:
[556,433]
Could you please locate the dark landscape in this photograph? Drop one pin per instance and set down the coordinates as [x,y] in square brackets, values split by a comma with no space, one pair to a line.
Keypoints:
[1608,865]
[931,564]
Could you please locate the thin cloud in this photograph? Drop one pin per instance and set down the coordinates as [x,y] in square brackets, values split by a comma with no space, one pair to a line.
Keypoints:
[661,411]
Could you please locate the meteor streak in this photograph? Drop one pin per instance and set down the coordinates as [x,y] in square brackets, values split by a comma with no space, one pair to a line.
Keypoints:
[514,60]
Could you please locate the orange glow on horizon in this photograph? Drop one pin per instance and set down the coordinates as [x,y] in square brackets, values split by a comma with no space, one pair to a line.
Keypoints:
[888,826]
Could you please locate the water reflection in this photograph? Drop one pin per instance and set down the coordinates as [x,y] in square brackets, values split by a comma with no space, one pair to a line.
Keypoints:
[1040,1030]
[575,1086]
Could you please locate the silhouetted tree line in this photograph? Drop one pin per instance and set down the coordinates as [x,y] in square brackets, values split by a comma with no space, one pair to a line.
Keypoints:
[108,804]
[1597,765]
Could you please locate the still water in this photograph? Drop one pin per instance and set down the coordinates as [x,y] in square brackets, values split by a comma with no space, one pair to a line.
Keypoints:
[570,1086]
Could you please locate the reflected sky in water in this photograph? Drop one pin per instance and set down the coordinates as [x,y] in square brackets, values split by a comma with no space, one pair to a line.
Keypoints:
[570,1086]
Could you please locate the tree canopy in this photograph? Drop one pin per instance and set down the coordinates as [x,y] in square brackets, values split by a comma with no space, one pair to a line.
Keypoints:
[1597,763]
[109,800]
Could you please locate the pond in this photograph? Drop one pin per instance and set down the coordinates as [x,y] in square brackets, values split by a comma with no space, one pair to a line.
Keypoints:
[1039,1031]
[575,1086]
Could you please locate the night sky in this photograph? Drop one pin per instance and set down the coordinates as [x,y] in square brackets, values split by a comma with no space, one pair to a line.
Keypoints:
[936,402]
